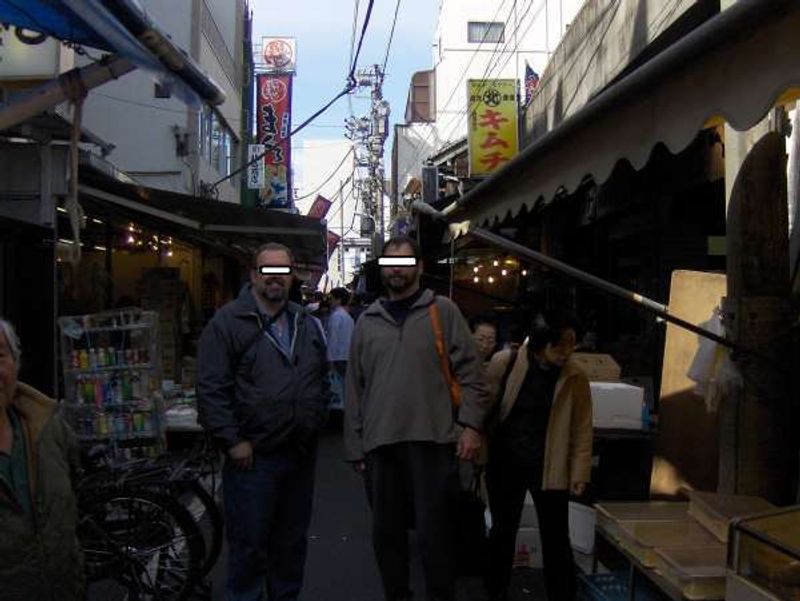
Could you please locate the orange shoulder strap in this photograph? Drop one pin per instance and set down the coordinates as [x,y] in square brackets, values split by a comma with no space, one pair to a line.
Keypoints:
[444,360]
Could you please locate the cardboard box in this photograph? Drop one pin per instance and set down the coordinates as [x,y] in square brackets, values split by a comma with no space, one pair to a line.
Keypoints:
[598,367]
[528,549]
[616,405]
[581,527]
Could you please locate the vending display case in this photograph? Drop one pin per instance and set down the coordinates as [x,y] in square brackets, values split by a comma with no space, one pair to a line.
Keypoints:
[764,555]
[112,381]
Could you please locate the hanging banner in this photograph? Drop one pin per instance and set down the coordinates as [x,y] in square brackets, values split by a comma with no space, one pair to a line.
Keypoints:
[255,172]
[333,242]
[274,106]
[319,208]
[492,124]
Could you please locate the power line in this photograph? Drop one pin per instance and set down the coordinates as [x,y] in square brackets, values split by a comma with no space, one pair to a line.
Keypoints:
[391,36]
[329,178]
[351,84]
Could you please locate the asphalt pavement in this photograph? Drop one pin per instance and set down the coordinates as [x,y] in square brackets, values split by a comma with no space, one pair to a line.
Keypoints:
[340,565]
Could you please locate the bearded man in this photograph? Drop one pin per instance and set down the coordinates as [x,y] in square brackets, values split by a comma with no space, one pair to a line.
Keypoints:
[406,426]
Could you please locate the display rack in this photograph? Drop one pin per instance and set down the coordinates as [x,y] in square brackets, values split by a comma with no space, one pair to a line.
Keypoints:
[112,381]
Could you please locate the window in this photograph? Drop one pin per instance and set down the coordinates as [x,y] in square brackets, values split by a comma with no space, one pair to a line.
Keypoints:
[216,142]
[478,32]
[162,90]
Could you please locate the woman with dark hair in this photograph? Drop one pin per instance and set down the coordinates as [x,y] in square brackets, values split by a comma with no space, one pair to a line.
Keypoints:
[542,443]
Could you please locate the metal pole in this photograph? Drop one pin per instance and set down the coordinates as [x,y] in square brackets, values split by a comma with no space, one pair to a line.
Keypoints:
[56,91]
[341,230]
[607,287]
[635,298]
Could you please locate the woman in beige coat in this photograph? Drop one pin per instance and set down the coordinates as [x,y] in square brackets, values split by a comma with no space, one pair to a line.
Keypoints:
[541,442]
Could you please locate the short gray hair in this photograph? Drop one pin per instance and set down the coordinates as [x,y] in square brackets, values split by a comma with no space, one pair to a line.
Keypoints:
[11,339]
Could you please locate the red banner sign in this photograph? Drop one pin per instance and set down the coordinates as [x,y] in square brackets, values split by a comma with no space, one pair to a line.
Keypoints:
[274,106]
[333,241]
[319,208]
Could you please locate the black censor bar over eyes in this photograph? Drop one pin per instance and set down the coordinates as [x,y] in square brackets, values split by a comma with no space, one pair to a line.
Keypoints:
[397,261]
[274,270]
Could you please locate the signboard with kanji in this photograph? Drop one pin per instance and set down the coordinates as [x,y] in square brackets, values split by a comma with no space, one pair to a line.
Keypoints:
[255,171]
[274,118]
[279,55]
[492,128]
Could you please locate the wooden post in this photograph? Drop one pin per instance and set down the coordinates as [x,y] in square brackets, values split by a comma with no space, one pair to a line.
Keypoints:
[760,458]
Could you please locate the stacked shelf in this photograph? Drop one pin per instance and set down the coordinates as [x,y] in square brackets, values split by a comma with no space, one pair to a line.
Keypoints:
[112,378]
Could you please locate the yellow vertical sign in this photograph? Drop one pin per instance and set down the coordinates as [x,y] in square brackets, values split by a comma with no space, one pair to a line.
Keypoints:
[492,124]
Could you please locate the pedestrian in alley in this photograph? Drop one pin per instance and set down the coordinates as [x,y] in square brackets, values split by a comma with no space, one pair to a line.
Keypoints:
[262,390]
[403,430]
[42,559]
[484,332]
[542,443]
[340,333]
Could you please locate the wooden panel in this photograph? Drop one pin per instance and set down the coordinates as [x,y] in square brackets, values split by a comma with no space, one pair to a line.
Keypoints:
[688,435]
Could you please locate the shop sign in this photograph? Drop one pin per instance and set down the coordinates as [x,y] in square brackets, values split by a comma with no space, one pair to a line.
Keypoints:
[279,54]
[274,118]
[26,54]
[255,170]
[333,241]
[319,208]
[492,124]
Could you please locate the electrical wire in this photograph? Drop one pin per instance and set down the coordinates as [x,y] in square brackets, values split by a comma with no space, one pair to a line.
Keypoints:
[351,84]
[391,37]
[329,178]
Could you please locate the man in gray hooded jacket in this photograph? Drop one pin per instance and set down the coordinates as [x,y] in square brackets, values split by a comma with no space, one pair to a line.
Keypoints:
[403,430]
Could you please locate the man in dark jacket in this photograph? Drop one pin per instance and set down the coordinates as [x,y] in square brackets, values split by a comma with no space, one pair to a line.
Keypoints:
[262,391]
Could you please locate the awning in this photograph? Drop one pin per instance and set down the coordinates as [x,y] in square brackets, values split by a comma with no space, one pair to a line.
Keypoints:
[736,66]
[231,227]
[118,26]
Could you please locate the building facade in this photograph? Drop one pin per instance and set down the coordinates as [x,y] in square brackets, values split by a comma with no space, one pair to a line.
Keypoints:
[157,139]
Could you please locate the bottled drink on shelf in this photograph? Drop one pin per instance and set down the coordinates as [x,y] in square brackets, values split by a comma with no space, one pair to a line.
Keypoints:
[84,359]
[75,359]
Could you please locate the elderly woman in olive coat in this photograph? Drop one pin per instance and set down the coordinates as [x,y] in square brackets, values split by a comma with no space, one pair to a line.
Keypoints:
[40,558]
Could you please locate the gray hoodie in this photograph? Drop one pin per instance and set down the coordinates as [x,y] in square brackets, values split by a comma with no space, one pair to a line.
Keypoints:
[396,390]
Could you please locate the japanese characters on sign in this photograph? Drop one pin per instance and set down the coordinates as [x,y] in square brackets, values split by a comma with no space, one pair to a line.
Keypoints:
[255,172]
[279,54]
[492,124]
[274,127]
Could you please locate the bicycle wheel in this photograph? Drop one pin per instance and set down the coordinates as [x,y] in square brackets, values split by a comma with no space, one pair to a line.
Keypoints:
[207,515]
[146,542]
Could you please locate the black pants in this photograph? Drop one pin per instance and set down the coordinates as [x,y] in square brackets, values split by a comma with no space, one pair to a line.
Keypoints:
[506,487]
[413,482]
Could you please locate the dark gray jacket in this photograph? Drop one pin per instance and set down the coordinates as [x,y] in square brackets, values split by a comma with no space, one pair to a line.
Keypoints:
[248,388]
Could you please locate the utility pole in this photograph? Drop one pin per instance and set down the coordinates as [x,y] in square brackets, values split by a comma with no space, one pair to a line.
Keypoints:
[369,135]
[341,233]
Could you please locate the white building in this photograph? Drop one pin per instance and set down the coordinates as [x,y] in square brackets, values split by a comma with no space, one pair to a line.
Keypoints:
[474,39]
[325,167]
[158,140]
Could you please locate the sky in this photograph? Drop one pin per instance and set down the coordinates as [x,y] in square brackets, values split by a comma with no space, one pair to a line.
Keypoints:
[323,29]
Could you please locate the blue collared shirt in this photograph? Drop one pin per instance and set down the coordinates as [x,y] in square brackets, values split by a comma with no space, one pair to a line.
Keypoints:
[340,331]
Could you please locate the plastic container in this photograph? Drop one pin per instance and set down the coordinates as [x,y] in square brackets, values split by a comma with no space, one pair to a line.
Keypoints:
[610,514]
[642,538]
[698,572]
[715,511]
[765,551]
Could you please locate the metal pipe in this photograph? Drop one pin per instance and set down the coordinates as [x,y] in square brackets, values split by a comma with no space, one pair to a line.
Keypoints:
[56,91]
[635,298]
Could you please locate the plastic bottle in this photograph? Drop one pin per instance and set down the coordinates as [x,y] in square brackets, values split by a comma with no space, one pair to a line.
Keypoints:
[79,391]
[101,357]
[92,358]
[98,391]
[84,359]
[76,359]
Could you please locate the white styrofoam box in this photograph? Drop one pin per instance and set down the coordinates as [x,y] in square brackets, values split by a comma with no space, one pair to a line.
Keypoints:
[528,548]
[529,518]
[616,405]
[581,527]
